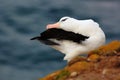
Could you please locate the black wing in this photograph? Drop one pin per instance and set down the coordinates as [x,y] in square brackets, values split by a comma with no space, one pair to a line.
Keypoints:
[60,34]
[45,41]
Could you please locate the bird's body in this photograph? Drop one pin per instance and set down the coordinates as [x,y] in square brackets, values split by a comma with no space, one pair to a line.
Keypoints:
[73,37]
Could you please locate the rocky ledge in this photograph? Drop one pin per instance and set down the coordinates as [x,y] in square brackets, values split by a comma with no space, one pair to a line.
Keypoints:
[100,64]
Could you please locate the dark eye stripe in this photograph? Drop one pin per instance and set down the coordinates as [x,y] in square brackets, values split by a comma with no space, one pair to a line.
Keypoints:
[64,19]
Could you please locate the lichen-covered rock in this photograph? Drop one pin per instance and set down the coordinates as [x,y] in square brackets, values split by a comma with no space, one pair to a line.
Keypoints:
[100,64]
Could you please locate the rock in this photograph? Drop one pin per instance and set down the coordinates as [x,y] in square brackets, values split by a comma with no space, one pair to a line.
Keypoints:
[73,74]
[100,64]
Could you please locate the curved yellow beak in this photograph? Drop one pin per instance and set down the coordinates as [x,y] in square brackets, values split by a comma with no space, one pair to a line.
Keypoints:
[55,25]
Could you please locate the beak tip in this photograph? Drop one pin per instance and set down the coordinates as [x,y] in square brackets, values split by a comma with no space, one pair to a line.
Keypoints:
[48,26]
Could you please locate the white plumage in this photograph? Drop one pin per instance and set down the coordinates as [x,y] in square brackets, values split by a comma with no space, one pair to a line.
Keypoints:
[84,27]
[89,36]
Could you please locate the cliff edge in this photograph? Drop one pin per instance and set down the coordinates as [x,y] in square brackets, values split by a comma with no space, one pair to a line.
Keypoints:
[100,64]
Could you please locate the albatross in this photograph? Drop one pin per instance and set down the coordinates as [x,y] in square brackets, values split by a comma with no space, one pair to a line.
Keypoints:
[72,37]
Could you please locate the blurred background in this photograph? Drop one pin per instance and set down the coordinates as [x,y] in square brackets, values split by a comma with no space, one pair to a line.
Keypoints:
[20,20]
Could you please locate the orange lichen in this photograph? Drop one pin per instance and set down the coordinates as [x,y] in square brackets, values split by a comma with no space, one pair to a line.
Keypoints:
[78,66]
[94,57]
[109,49]
[77,59]
[113,46]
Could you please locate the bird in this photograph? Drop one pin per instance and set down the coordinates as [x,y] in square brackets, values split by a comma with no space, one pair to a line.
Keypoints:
[72,37]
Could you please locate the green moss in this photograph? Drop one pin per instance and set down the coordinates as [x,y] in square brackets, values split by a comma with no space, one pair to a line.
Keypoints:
[96,51]
[63,75]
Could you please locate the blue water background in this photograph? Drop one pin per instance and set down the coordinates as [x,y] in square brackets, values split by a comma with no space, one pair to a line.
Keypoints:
[20,20]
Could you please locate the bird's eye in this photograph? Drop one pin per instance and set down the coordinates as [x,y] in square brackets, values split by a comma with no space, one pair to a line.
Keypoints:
[64,19]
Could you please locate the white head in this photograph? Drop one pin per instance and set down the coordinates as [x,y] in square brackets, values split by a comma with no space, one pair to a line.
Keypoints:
[86,27]
[62,23]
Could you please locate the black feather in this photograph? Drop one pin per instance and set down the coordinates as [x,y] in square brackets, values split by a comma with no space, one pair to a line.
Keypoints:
[59,34]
